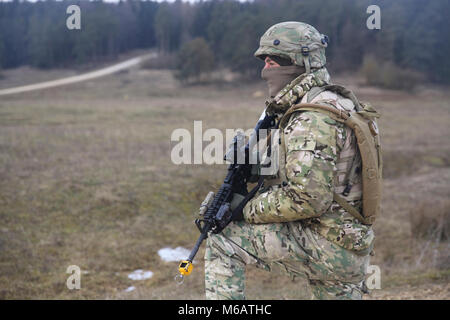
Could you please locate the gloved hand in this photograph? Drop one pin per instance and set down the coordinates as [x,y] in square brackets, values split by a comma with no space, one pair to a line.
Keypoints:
[238,215]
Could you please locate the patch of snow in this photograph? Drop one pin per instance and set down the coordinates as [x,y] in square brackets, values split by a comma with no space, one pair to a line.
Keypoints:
[177,254]
[140,275]
[129,289]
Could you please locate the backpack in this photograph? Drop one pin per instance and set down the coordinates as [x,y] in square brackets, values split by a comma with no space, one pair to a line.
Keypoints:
[363,123]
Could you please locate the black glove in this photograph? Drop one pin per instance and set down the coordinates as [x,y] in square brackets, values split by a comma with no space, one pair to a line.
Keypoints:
[238,215]
[237,211]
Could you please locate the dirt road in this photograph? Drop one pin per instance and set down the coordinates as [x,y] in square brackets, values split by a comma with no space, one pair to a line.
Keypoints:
[82,77]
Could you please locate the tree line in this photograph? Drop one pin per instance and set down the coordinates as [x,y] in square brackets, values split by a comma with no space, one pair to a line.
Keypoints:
[414,33]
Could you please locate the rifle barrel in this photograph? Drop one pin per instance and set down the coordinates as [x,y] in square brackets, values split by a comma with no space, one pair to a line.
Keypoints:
[197,245]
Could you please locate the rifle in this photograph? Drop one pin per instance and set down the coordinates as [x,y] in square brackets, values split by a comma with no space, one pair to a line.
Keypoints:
[218,212]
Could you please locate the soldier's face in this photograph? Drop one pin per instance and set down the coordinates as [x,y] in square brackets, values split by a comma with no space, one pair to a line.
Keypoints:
[269,63]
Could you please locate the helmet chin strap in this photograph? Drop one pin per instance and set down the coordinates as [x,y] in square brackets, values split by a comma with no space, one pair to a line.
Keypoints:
[305,58]
[306,64]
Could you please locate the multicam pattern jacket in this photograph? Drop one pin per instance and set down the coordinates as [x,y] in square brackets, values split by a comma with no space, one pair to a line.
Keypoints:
[317,154]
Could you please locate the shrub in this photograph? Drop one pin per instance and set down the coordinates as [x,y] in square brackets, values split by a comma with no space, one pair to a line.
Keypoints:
[195,60]
[430,231]
[431,220]
[388,75]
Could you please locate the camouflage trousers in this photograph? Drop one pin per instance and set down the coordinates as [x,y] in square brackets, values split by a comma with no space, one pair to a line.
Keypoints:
[332,272]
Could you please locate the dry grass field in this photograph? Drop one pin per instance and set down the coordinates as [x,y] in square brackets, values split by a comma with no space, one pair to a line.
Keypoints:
[86,179]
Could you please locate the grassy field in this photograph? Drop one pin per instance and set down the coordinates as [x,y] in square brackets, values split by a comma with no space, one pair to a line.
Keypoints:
[86,179]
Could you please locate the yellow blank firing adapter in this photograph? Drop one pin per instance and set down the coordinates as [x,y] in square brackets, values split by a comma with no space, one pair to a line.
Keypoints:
[185,267]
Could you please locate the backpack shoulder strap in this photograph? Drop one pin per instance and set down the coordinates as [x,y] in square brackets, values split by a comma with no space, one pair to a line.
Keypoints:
[336,114]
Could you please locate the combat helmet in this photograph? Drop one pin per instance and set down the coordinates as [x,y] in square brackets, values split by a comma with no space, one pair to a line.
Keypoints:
[297,41]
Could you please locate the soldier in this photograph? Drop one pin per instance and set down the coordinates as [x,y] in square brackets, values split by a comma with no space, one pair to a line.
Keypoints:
[297,222]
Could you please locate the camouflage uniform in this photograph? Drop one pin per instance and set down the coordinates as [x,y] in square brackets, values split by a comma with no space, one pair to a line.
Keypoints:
[293,224]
